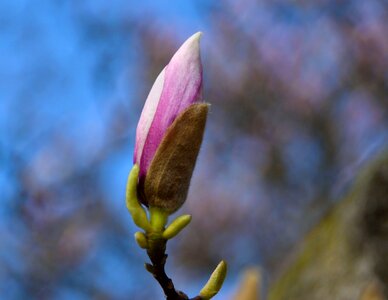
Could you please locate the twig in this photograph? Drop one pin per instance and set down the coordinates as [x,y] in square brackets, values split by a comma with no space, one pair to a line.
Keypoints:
[156,252]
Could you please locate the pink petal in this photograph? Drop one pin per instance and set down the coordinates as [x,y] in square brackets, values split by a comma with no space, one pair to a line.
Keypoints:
[147,116]
[182,87]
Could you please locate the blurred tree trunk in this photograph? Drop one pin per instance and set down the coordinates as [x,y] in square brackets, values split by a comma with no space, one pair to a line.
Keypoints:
[250,285]
[345,256]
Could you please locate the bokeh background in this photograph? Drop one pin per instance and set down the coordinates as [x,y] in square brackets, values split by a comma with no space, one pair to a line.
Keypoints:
[299,104]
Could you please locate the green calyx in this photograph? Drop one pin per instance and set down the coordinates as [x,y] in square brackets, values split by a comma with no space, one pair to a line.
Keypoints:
[158,218]
[137,212]
[155,225]
[176,226]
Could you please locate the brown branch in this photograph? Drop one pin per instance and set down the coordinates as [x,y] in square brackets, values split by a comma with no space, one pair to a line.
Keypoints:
[157,254]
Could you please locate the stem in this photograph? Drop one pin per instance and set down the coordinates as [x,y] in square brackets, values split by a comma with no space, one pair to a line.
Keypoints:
[156,253]
[158,219]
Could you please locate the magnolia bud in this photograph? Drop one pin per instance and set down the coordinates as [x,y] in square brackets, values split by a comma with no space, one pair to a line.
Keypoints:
[177,87]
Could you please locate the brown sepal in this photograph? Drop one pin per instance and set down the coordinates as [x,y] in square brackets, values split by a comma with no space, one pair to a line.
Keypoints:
[168,177]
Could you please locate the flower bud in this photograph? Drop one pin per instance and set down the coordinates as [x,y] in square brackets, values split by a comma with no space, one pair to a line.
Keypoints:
[177,88]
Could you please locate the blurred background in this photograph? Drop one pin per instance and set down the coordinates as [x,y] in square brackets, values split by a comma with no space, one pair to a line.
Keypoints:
[299,105]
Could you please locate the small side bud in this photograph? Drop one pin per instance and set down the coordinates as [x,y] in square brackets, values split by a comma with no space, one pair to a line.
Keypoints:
[137,212]
[176,226]
[141,240]
[215,282]
[149,268]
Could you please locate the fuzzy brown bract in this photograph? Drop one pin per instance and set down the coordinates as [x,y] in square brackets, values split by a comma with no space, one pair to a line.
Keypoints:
[168,178]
